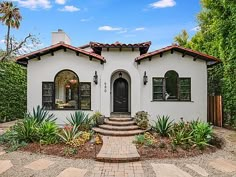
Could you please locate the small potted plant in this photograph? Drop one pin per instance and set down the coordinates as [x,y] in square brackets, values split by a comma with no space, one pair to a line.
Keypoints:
[98,118]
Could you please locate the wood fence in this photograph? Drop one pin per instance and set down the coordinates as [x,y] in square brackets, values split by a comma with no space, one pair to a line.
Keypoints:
[214,110]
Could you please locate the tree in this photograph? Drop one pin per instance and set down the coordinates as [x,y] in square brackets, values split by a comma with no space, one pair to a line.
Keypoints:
[11,17]
[182,38]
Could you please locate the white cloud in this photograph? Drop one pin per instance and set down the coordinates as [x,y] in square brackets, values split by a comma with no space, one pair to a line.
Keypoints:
[109,28]
[139,29]
[86,19]
[69,9]
[197,28]
[163,4]
[60,1]
[34,4]
[2,41]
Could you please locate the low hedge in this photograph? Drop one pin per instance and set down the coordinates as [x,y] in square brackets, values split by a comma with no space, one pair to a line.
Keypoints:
[12,91]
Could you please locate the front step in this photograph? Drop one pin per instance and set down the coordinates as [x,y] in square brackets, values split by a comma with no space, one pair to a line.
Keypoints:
[120,119]
[116,123]
[122,115]
[119,128]
[118,133]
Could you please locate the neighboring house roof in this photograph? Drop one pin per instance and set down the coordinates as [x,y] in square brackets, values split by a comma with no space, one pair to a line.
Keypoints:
[84,46]
[143,47]
[184,51]
[24,58]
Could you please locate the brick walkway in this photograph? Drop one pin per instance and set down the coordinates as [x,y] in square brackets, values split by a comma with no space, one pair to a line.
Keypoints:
[118,149]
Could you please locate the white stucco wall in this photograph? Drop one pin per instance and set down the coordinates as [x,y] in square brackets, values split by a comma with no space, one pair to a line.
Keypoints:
[140,95]
[47,68]
[185,67]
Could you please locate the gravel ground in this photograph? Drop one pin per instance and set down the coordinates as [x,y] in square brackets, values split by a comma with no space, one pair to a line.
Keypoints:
[20,159]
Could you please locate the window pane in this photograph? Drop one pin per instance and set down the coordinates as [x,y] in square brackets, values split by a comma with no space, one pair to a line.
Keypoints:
[157,96]
[66,90]
[158,81]
[157,88]
[85,95]
[185,88]
[47,95]
[171,83]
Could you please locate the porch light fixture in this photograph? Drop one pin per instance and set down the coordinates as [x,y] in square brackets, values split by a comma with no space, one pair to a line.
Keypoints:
[67,85]
[120,75]
[95,78]
[145,78]
[73,81]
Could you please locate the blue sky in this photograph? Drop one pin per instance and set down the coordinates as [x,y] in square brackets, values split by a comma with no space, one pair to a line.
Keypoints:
[107,21]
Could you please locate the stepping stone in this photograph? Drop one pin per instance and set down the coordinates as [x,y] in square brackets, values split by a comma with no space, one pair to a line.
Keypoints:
[3,152]
[5,165]
[223,165]
[39,164]
[168,170]
[197,169]
[72,172]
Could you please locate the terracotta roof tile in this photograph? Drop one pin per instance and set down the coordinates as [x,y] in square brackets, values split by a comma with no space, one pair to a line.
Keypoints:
[179,49]
[117,44]
[55,47]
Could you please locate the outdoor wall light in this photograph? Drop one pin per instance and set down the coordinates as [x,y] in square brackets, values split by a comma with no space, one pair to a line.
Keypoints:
[95,78]
[145,78]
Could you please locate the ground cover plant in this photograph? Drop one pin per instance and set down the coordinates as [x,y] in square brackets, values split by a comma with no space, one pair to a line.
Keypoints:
[180,139]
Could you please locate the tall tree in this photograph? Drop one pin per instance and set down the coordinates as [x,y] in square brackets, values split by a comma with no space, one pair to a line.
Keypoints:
[11,17]
[182,38]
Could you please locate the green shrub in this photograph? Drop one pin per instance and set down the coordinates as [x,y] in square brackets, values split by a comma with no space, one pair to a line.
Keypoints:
[41,115]
[12,91]
[69,133]
[145,139]
[141,119]
[163,125]
[48,133]
[97,118]
[80,120]
[68,151]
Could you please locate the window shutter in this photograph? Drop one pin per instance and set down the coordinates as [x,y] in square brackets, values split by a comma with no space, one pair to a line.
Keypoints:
[85,95]
[47,95]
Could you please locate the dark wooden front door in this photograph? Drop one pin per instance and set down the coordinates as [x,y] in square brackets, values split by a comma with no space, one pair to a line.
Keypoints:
[120,95]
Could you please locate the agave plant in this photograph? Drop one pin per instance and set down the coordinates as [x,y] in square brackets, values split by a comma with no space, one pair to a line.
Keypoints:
[69,134]
[48,132]
[41,115]
[80,120]
[163,125]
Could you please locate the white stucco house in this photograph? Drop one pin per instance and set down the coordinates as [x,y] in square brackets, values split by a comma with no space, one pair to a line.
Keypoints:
[117,78]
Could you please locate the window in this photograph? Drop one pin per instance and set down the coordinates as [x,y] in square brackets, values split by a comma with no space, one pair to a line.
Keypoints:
[171,87]
[47,95]
[85,95]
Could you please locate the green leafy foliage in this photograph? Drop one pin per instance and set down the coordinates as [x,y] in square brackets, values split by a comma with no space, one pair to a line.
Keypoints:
[48,132]
[141,119]
[145,139]
[68,151]
[81,120]
[163,125]
[68,133]
[12,91]
[97,118]
[41,115]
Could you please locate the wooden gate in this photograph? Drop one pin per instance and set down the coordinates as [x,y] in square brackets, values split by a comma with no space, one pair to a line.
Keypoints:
[214,110]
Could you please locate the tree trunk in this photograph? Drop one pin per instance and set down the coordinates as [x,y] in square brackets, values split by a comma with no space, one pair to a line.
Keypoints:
[8,40]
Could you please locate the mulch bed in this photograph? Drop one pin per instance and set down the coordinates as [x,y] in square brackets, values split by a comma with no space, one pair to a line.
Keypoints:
[160,151]
[87,151]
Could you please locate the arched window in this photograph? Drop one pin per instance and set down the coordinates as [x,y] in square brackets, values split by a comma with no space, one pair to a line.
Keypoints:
[171,85]
[66,90]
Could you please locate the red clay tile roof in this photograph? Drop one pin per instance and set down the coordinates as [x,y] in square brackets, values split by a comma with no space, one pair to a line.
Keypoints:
[186,51]
[120,45]
[56,47]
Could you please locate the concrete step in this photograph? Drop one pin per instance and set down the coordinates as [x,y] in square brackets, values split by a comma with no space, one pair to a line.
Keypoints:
[116,123]
[120,119]
[120,115]
[118,133]
[119,128]
[118,159]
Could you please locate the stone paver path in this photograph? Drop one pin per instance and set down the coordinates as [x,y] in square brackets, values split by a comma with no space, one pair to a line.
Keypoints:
[72,172]
[132,169]
[118,149]
[5,165]
[197,169]
[39,164]
[169,170]
[2,152]
[223,165]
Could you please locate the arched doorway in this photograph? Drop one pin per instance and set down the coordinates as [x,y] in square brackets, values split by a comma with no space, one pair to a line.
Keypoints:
[121,98]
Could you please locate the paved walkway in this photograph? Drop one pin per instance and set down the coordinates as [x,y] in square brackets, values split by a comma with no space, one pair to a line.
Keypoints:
[219,164]
[117,149]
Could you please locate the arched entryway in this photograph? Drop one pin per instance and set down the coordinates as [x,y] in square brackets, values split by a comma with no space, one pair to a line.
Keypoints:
[120,92]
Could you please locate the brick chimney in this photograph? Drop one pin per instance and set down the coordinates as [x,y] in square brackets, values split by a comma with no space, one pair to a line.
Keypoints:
[60,36]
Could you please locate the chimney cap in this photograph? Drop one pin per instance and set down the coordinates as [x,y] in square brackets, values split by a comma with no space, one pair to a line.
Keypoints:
[60,30]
